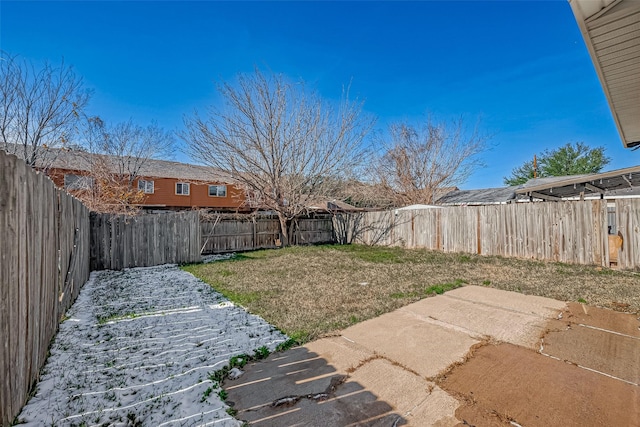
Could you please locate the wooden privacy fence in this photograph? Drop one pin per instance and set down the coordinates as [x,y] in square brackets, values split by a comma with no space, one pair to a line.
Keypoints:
[120,241]
[44,261]
[628,227]
[571,232]
[231,233]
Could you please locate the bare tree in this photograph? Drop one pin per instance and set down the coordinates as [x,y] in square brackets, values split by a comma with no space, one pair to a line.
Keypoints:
[130,146]
[39,108]
[116,156]
[284,143]
[418,162]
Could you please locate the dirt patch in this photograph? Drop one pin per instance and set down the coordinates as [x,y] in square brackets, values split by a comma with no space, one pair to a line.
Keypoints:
[598,339]
[628,324]
[509,383]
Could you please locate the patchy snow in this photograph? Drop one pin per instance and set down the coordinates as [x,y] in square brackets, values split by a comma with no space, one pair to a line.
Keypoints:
[217,257]
[137,348]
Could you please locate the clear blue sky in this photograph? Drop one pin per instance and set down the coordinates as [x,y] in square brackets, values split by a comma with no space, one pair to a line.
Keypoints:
[521,66]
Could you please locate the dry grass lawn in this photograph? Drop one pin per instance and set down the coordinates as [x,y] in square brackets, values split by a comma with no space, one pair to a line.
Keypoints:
[309,292]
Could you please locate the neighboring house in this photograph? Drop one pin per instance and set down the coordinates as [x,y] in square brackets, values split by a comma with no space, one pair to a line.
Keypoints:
[166,184]
[483,196]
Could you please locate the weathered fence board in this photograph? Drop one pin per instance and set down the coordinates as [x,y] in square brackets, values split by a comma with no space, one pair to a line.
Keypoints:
[234,233]
[628,226]
[120,241]
[571,232]
[44,246]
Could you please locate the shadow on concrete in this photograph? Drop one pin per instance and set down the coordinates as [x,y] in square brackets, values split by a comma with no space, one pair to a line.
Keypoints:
[297,387]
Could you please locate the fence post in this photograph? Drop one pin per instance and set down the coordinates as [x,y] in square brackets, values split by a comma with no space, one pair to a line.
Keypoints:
[254,232]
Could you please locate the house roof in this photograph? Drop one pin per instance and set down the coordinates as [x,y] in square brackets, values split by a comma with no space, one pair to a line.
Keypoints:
[418,207]
[81,161]
[333,205]
[613,183]
[611,31]
[483,196]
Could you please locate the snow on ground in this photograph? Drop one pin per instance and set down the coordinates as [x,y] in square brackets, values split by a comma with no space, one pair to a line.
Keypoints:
[137,348]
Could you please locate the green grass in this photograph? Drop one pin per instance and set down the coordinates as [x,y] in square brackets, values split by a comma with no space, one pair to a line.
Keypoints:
[308,292]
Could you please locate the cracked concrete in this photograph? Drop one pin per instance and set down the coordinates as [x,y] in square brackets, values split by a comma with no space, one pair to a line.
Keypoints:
[388,371]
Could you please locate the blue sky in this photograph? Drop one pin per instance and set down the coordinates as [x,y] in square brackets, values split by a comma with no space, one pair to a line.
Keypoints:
[522,67]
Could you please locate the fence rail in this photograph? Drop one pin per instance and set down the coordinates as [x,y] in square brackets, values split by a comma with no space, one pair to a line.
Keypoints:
[571,232]
[120,241]
[44,261]
[222,233]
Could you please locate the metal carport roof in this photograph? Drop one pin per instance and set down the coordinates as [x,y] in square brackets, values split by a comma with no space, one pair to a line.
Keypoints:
[559,188]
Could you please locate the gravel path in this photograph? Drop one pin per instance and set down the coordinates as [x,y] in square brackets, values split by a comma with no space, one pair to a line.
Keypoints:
[137,348]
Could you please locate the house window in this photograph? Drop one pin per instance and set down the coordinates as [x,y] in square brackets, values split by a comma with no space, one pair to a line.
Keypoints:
[218,190]
[182,188]
[77,182]
[145,186]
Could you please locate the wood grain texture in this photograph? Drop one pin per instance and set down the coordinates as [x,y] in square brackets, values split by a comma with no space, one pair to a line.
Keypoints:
[571,232]
[44,261]
[120,241]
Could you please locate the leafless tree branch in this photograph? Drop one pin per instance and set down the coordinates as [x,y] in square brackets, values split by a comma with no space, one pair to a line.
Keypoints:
[283,142]
[40,108]
[417,162]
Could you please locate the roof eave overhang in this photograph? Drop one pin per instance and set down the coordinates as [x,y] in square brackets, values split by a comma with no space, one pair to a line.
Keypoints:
[586,15]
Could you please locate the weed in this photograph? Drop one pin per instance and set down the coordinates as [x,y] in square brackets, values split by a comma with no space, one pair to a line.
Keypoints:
[398,295]
[218,376]
[222,394]
[286,345]
[206,394]
[486,282]
[232,412]
[440,289]
[238,361]
[133,421]
[115,317]
[261,353]
[582,301]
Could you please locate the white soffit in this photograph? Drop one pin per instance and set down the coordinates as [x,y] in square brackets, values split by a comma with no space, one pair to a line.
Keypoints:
[611,30]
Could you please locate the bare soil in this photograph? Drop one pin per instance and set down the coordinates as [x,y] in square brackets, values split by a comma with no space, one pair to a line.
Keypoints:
[510,383]
[586,374]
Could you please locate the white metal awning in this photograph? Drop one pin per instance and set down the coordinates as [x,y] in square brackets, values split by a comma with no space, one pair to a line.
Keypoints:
[611,30]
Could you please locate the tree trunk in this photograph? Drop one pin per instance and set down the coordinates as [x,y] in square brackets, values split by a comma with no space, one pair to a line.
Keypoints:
[284,229]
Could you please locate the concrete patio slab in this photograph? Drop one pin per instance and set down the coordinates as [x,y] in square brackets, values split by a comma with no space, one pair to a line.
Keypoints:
[417,401]
[415,343]
[472,356]
[480,319]
[505,300]
[303,389]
